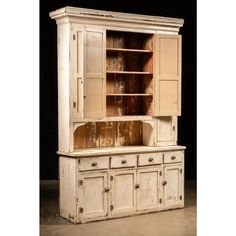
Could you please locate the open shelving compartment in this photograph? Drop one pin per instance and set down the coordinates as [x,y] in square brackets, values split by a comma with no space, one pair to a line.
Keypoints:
[129,93]
[113,134]
[129,74]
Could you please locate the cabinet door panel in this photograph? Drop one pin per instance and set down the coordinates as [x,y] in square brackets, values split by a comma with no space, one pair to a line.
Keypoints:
[94,73]
[167,73]
[88,61]
[92,197]
[123,192]
[173,188]
[166,130]
[149,195]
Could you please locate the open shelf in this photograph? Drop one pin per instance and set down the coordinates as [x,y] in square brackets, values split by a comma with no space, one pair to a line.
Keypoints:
[129,50]
[129,94]
[129,74]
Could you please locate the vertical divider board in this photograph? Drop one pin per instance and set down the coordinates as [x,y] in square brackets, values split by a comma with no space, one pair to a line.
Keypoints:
[77,54]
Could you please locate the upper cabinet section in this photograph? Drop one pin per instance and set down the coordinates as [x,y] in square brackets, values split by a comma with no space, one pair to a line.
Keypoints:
[119,64]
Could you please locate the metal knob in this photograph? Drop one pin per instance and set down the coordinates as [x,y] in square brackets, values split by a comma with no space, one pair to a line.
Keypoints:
[164,182]
[137,186]
[94,164]
[173,157]
[106,189]
[123,162]
[150,159]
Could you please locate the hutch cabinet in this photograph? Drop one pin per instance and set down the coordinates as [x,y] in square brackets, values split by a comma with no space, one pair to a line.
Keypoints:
[119,98]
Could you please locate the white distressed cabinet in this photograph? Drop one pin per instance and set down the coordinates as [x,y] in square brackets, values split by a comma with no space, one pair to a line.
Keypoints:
[119,98]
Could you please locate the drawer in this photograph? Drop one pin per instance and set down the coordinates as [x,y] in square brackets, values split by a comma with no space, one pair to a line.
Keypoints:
[123,161]
[97,163]
[172,157]
[150,159]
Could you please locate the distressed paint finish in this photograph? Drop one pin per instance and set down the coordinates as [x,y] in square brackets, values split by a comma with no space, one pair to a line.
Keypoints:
[108,134]
[68,188]
[123,192]
[117,74]
[149,192]
[93,200]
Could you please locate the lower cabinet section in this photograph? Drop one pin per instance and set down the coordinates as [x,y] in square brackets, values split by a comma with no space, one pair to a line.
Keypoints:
[144,187]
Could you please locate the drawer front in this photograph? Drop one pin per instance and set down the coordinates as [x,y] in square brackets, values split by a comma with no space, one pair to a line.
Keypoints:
[123,161]
[150,159]
[97,163]
[173,157]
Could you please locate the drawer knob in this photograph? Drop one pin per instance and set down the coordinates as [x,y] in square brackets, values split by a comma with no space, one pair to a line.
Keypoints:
[173,157]
[137,186]
[106,189]
[164,182]
[94,164]
[150,159]
[123,162]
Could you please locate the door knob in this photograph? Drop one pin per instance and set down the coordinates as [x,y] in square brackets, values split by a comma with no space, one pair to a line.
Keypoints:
[106,189]
[164,182]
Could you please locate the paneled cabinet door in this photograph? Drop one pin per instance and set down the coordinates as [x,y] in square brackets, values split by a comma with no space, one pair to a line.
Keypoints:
[173,185]
[167,73]
[149,192]
[92,195]
[89,53]
[123,193]
[167,130]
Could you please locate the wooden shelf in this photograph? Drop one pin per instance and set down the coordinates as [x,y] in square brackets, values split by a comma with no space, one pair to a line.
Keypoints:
[129,94]
[78,122]
[128,50]
[130,72]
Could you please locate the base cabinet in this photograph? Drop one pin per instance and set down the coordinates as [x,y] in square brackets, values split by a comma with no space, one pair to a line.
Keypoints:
[123,185]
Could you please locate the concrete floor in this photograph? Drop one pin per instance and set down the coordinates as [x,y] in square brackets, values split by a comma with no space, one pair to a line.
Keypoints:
[180,222]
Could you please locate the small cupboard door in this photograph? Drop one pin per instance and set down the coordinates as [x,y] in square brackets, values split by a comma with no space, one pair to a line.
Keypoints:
[88,62]
[167,73]
[167,130]
[93,193]
[123,193]
[173,186]
[149,192]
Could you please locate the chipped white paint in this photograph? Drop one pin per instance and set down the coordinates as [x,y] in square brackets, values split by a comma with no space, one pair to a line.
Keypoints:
[104,183]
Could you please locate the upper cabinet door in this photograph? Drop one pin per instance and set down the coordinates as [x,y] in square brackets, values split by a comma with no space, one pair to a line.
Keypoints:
[88,57]
[167,73]
[94,73]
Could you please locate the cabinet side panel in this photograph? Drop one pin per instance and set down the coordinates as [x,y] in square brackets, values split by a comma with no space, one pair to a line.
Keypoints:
[67,178]
[63,86]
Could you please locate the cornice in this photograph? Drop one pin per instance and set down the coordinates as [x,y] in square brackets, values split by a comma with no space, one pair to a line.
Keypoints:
[90,14]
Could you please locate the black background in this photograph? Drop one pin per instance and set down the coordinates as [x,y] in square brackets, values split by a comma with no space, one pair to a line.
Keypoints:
[48,74]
